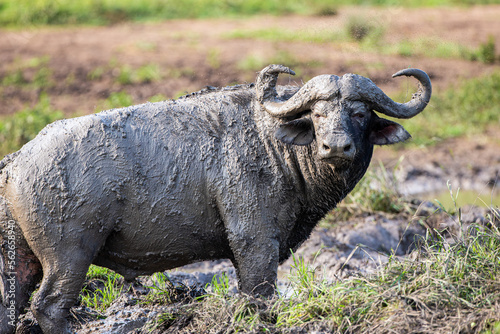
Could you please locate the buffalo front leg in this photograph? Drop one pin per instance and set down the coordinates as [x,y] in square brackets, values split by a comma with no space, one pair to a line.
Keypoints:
[256,263]
[251,213]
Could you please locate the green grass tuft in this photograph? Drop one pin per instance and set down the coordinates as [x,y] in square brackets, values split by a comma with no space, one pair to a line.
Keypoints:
[358,28]
[486,52]
[102,290]
[33,73]
[96,272]
[16,130]
[15,78]
[117,100]
[163,291]
[278,34]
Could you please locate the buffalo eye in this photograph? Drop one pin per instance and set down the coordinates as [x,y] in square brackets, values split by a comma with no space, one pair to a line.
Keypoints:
[360,115]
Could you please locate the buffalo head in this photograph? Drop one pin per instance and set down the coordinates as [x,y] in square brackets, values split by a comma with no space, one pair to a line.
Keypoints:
[339,112]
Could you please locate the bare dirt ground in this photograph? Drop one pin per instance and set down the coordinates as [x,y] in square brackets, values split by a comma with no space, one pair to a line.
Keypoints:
[195,53]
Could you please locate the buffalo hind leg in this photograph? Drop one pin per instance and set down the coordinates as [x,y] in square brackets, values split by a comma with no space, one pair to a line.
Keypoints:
[20,271]
[63,277]
[65,255]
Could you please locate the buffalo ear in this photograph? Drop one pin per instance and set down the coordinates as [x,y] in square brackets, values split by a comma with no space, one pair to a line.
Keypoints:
[296,132]
[385,132]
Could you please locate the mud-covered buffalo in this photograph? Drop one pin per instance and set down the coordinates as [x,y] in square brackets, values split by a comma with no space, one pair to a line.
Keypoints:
[243,172]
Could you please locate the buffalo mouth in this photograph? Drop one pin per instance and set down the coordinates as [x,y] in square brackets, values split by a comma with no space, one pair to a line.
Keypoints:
[338,162]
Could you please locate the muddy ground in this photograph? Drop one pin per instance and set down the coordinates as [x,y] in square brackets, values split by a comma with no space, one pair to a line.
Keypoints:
[195,53]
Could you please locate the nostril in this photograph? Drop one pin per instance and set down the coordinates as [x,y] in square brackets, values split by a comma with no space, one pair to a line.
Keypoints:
[347,148]
[326,147]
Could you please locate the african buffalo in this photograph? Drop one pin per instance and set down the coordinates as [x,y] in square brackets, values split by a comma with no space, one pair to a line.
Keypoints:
[242,172]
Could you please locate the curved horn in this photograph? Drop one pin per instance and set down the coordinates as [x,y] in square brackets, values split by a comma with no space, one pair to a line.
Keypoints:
[320,87]
[266,81]
[387,106]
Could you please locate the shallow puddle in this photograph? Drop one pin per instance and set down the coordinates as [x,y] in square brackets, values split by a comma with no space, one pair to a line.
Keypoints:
[465,197]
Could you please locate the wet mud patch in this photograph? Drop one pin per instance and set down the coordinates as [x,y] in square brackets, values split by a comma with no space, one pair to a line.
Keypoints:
[468,164]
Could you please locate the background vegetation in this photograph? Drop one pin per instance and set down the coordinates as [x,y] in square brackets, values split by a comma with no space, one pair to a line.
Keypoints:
[42,12]
[18,129]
